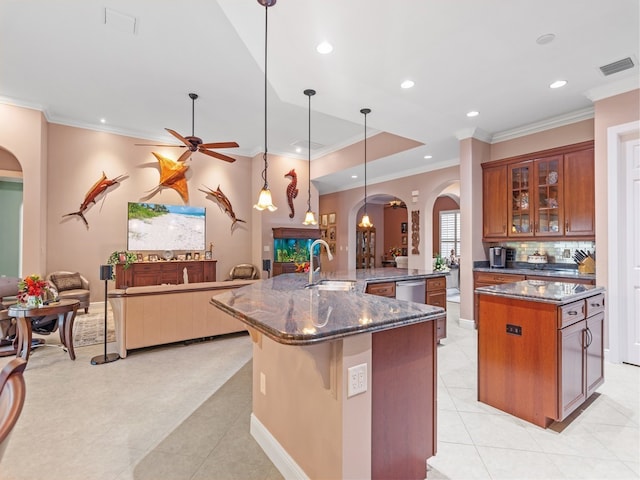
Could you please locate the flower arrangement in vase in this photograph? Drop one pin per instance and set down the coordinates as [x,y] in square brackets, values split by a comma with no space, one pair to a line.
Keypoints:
[33,291]
[395,251]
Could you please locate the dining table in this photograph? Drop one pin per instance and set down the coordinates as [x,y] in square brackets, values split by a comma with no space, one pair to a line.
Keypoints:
[65,310]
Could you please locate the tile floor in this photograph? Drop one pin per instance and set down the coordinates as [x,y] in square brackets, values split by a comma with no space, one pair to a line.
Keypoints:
[142,418]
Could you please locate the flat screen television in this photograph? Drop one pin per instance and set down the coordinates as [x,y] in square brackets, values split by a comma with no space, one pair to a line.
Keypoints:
[153,226]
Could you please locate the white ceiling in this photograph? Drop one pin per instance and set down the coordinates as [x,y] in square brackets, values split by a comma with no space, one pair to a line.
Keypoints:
[463,55]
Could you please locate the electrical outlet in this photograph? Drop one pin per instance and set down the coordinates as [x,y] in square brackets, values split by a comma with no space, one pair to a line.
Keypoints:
[357,381]
[263,383]
[566,253]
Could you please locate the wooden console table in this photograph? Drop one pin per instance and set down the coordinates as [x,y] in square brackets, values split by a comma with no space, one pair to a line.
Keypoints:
[65,310]
[144,274]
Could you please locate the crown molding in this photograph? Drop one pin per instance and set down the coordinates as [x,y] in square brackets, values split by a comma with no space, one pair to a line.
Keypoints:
[548,124]
[613,89]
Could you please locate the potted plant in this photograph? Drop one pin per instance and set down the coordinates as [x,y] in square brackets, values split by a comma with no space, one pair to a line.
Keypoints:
[125,258]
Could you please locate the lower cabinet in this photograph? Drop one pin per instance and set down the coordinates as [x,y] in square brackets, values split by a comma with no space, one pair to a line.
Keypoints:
[581,353]
[539,361]
[142,274]
[436,295]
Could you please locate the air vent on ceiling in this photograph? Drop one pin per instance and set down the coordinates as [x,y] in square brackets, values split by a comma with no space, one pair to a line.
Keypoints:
[615,67]
[305,143]
[120,21]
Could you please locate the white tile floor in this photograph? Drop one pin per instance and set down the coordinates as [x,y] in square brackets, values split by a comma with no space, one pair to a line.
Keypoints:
[100,422]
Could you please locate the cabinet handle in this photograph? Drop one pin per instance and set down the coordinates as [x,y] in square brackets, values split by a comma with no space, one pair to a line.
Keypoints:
[595,305]
[572,312]
[566,226]
[589,337]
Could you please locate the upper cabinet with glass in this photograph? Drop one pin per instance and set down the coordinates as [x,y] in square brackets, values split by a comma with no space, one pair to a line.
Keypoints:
[549,194]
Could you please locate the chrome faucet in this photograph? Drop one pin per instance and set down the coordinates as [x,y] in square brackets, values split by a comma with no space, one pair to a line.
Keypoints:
[316,242]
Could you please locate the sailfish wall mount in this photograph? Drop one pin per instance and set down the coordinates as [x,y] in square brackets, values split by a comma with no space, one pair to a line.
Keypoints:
[224,202]
[98,188]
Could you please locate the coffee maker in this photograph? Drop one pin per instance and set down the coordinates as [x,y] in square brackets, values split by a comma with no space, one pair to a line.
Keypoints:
[497,257]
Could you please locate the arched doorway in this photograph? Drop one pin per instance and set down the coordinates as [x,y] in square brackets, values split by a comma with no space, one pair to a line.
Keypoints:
[10,214]
[377,247]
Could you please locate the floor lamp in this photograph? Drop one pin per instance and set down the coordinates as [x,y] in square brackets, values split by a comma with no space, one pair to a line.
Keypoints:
[105,274]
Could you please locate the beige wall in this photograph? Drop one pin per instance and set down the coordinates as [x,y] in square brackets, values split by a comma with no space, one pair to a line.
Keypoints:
[610,112]
[23,133]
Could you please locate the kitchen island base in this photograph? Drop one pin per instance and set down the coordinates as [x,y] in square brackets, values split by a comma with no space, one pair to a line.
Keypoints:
[540,360]
[309,427]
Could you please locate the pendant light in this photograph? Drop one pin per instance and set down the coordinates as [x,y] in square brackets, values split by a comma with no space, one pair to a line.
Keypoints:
[365,222]
[264,199]
[310,217]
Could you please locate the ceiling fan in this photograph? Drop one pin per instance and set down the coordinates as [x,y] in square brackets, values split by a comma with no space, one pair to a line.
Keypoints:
[194,144]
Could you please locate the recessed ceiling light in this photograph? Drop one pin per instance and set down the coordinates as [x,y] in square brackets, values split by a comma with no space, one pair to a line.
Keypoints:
[103,120]
[324,48]
[473,113]
[354,176]
[558,84]
[298,149]
[407,84]
[545,39]
[428,156]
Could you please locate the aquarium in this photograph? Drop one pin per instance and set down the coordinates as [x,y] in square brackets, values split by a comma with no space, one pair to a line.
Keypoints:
[294,250]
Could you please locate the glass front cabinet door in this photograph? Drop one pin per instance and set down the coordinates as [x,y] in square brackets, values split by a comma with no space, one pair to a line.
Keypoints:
[520,206]
[548,202]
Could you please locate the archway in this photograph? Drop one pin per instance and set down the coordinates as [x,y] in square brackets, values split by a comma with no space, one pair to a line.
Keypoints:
[11,197]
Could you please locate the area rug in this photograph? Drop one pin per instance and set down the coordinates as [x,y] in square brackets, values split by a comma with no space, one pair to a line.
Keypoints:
[88,328]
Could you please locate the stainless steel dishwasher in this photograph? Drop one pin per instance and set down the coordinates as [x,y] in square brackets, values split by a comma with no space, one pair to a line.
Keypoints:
[411,290]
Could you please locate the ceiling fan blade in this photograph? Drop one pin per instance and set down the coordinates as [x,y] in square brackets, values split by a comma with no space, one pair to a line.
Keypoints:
[178,136]
[220,145]
[185,156]
[217,155]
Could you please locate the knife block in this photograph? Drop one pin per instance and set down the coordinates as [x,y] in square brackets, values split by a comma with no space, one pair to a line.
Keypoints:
[588,265]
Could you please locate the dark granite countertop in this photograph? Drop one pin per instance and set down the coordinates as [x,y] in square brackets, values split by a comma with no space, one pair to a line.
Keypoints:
[559,293]
[545,271]
[287,312]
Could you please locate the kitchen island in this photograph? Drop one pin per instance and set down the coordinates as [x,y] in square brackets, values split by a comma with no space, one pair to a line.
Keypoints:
[344,382]
[540,347]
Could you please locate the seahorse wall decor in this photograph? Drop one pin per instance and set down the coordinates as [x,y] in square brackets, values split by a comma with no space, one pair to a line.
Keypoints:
[224,202]
[292,191]
[415,232]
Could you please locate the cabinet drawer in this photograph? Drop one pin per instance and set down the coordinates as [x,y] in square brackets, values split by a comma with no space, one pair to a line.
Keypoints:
[382,289]
[497,278]
[571,313]
[436,284]
[438,299]
[595,305]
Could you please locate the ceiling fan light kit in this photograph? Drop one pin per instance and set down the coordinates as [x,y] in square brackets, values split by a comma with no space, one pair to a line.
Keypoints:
[265,202]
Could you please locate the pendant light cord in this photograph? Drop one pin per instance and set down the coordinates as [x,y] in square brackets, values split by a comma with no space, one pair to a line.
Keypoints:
[264,155]
[365,111]
[309,154]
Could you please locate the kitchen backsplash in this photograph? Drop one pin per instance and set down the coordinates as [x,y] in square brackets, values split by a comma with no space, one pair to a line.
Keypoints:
[556,251]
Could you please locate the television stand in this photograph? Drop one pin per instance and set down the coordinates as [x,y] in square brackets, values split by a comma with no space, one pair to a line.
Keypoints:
[142,274]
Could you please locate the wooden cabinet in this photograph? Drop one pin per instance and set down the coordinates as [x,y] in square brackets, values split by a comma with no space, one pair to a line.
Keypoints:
[383,289]
[536,360]
[580,352]
[579,194]
[546,195]
[365,247]
[156,273]
[494,202]
[436,295]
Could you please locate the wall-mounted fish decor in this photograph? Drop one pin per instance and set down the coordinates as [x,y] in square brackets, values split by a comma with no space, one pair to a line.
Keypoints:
[224,202]
[172,175]
[99,187]
[292,191]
